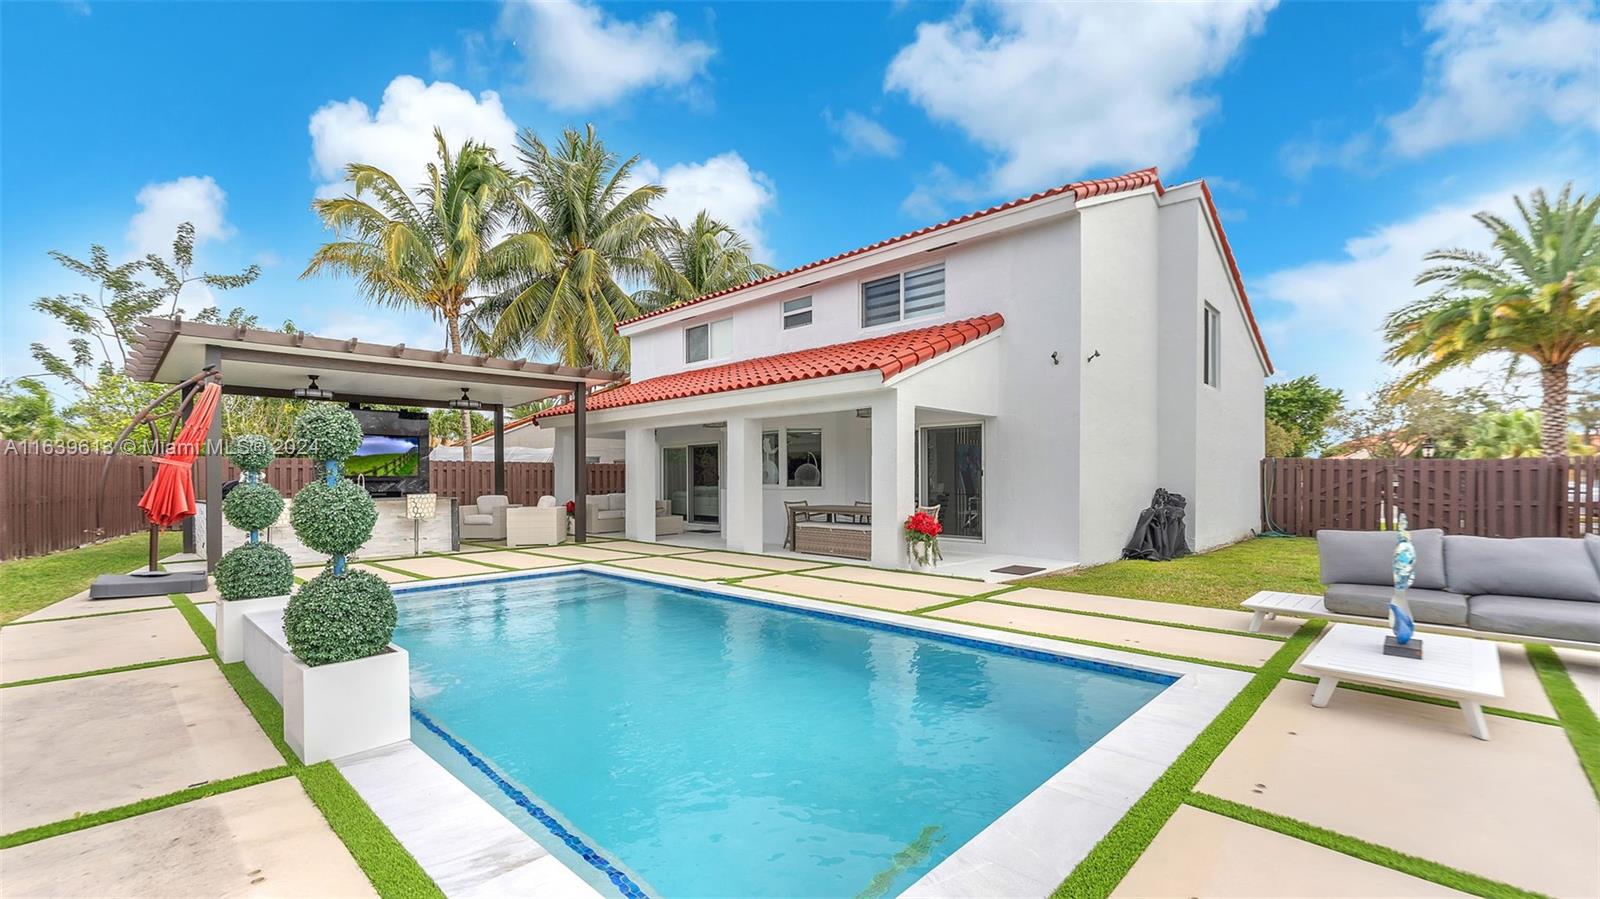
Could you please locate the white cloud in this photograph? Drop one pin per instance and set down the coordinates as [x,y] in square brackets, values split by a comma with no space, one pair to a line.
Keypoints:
[165,205]
[725,185]
[440,63]
[1057,88]
[939,187]
[1338,306]
[577,56]
[862,136]
[1495,68]
[398,138]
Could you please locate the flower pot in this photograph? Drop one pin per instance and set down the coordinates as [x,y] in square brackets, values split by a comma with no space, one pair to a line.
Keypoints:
[335,710]
[264,649]
[230,622]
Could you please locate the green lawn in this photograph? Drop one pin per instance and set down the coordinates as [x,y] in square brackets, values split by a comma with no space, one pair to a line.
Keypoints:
[1219,579]
[27,585]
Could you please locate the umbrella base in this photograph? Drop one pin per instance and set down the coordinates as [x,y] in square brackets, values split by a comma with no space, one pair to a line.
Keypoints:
[125,586]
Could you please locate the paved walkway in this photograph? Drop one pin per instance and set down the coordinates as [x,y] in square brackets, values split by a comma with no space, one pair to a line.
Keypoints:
[1387,770]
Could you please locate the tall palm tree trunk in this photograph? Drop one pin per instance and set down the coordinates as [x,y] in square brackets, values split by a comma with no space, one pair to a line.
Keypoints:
[452,326]
[1553,428]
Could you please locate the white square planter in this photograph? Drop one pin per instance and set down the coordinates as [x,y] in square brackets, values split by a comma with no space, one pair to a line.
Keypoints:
[334,710]
[264,649]
[230,622]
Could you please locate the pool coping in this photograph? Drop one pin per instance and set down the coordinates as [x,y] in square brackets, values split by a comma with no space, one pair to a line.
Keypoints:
[1036,843]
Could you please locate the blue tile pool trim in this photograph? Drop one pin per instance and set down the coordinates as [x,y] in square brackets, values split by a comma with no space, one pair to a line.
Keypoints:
[1038,655]
[620,880]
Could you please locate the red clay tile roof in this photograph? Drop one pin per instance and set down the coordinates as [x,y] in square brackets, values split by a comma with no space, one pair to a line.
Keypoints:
[889,354]
[1081,189]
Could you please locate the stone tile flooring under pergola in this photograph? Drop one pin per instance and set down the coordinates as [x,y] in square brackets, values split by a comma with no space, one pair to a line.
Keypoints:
[1392,771]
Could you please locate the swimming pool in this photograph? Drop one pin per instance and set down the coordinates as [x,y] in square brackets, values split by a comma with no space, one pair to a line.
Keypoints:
[686,743]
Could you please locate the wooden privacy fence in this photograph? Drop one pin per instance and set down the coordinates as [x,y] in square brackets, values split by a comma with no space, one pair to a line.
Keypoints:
[47,500]
[1484,497]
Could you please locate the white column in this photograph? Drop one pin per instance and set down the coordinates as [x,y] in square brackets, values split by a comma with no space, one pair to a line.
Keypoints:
[893,494]
[644,469]
[562,459]
[742,526]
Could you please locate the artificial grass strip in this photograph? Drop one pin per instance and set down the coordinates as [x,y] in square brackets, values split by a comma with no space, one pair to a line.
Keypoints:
[1430,700]
[85,615]
[1181,625]
[1110,860]
[158,663]
[143,806]
[198,622]
[387,864]
[1577,718]
[1454,878]
[1196,660]
[939,607]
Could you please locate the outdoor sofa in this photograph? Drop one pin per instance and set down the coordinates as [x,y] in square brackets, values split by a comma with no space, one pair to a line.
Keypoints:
[1528,587]
[485,519]
[607,513]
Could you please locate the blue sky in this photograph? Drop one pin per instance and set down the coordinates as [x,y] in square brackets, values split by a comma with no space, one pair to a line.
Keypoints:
[1341,140]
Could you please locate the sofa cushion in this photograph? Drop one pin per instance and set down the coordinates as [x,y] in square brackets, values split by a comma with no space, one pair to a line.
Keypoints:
[485,503]
[1427,606]
[605,514]
[547,502]
[477,518]
[1532,616]
[1367,557]
[1551,567]
[616,502]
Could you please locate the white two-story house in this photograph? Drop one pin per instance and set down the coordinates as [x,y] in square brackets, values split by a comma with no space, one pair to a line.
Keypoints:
[1035,370]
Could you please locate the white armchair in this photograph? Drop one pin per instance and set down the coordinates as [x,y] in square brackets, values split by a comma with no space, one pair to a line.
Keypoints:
[542,525]
[485,519]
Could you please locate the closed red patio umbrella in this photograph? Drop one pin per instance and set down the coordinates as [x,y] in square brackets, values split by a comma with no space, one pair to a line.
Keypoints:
[170,497]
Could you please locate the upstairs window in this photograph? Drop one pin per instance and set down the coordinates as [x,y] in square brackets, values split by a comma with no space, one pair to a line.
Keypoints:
[796,313]
[712,340]
[1213,347]
[907,295]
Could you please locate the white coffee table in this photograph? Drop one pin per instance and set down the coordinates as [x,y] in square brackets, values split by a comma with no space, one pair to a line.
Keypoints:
[1458,668]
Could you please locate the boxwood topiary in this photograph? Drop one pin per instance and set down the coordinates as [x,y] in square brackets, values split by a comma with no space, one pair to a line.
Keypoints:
[252,506]
[333,518]
[339,618]
[254,570]
[252,453]
[326,432]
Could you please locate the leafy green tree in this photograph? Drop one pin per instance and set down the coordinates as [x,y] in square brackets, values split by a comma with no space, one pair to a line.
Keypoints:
[102,324]
[583,228]
[690,262]
[1280,440]
[174,276]
[28,411]
[445,426]
[1505,435]
[433,249]
[1536,295]
[1303,407]
[1398,422]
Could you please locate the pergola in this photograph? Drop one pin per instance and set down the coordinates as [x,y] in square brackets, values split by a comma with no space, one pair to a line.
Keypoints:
[258,362]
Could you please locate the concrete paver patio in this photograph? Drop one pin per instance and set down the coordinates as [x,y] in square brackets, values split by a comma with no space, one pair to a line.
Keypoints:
[265,840]
[1406,775]
[93,743]
[519,561]
[680,567]
[1159,638]
[1221,619]
[746,560]
[53,648]
[81,604]
[843,591]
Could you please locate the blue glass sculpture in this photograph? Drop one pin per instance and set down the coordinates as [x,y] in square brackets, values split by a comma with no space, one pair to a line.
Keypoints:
[1400,620]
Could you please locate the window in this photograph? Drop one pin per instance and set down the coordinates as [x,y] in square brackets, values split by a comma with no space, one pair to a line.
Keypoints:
[1213,347]
[796,313]
[804,458]
[712,340]
[908,295]
[769,458]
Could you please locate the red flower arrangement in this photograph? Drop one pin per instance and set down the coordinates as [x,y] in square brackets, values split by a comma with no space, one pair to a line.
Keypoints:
[922,538]
[572,507]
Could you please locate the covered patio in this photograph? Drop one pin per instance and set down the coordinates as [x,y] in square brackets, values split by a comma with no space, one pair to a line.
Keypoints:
[282,365]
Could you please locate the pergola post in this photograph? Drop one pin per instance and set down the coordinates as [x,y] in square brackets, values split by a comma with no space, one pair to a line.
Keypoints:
[214,457]
[499,449]
[580,465]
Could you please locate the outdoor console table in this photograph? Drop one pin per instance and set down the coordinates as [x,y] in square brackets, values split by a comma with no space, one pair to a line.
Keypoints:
[850,537]
[1459,668]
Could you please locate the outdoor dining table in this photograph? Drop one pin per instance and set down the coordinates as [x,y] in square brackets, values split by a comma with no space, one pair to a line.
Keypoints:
[859,514]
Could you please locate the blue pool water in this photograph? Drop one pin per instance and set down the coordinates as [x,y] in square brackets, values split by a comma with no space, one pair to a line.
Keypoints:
[707,746]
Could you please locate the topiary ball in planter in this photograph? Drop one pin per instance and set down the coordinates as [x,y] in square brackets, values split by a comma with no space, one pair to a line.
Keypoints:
[333,518]
[327,432]
[252,506]
[254,570]
[251,452]
[339,618]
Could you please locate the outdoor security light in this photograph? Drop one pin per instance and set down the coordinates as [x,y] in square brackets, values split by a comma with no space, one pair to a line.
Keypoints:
[466,403]
[312,391]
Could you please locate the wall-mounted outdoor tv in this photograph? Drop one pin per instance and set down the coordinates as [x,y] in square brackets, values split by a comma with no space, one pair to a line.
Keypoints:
[386,456]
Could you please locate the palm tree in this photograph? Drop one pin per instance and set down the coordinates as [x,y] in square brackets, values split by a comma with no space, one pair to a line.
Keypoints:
[582,227]
[1505,435]
[433,248]
[1536,295]
[703,258]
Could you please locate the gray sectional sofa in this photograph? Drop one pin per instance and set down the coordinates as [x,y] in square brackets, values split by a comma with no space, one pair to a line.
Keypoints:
[1529,586]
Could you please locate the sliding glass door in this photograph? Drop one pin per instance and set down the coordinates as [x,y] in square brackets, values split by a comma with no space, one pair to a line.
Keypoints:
[951,477]
[690,481]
